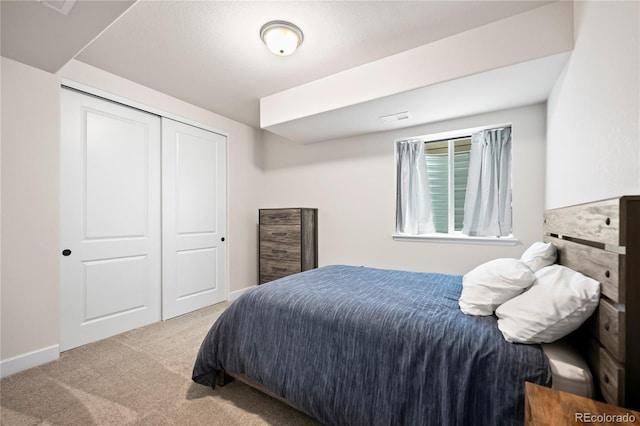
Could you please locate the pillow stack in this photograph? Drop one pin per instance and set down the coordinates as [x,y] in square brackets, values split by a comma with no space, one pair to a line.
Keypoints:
[493,283]
[535,301]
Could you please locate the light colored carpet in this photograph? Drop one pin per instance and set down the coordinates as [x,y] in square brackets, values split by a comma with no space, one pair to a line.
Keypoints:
[142,377]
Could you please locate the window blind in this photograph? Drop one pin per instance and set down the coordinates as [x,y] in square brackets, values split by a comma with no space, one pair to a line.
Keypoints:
[438,177]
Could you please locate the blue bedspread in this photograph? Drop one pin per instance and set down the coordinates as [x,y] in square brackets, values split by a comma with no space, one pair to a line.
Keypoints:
[362,346]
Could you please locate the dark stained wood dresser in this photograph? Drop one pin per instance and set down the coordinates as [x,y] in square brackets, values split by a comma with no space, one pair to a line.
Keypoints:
[288,242]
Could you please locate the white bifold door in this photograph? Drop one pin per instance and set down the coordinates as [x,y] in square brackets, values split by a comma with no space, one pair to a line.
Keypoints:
[118,178]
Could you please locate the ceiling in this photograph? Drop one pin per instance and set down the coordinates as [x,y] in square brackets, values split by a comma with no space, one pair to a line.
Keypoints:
[209,53]
[41,36]
[511,86]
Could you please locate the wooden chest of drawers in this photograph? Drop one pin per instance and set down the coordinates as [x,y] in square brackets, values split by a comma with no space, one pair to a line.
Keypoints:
[288,242]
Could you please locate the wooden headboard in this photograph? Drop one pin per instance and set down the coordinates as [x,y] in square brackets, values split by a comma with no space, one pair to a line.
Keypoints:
[602,240]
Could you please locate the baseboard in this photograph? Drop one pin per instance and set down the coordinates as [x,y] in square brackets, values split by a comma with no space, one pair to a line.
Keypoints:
[233,295]
[31,359]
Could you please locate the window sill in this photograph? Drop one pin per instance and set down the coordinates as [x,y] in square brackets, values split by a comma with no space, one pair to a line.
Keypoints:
[458,239]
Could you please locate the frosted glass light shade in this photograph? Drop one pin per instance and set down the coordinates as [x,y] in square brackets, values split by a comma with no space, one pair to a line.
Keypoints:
[282,38]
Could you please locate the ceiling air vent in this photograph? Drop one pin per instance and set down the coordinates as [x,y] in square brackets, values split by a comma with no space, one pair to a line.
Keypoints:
[392,118]
[61,6]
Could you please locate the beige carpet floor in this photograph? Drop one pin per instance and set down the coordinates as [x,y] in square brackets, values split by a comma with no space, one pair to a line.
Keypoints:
[142,377]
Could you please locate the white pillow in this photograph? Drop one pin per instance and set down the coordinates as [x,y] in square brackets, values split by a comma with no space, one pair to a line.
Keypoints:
[539,255]
[557,304]
[493,283]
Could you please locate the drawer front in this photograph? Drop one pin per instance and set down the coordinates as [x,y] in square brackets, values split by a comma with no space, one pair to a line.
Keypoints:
[608,374]
[271,269]
[266,278]
[611,329]
[607,325]
[611,378]
[280,251]
[280,217]
[284,234]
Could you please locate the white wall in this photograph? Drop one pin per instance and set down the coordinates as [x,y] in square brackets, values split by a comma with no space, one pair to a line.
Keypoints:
[352,183]
[30,175]
[30,195]
[593,113]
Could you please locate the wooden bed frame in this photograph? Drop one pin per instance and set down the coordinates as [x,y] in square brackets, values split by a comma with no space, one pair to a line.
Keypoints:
[602,240]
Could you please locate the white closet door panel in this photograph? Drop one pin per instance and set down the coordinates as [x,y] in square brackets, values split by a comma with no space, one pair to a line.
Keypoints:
[115,286]
[196,272]
[110,219]
[194,218]
[116,151]
[196,183]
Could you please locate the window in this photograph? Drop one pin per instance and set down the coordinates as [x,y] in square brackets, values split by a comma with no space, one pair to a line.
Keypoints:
[447,172]
[455,185]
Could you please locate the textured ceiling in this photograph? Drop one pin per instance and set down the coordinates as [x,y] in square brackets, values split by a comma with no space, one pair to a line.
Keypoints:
[210,54]
[42,37]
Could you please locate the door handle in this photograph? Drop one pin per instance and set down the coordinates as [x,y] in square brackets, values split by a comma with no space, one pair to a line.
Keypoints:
[66,252]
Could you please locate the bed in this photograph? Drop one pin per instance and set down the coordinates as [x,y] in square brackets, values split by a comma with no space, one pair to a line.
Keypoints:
[352,345]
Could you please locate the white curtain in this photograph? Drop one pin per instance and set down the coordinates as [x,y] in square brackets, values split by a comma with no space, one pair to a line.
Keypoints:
[487,206]
[413,203]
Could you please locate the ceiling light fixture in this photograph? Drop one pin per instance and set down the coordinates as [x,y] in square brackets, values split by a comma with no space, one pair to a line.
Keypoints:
[281,37]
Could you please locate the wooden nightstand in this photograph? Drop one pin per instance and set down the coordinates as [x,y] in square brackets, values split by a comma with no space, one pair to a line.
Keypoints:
[548,407]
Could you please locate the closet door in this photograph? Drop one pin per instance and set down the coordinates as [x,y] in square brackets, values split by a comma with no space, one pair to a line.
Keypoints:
[110,219]
[193,218]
